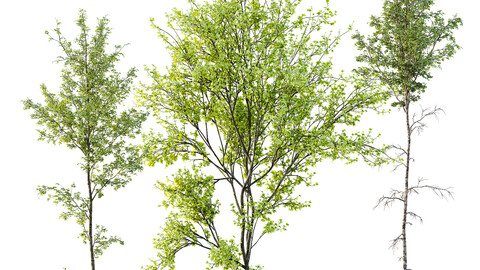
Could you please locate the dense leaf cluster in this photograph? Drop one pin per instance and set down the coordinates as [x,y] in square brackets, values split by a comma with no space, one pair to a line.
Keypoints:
[249,99]
[408,41]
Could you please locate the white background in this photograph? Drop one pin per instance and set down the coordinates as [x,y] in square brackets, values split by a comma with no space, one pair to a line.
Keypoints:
[340,231]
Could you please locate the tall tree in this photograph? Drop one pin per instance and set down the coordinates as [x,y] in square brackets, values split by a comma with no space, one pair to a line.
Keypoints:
[250,102]
[84,115]
[408,41]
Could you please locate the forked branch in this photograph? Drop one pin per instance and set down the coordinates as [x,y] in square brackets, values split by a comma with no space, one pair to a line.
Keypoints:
[443,193]
[418,124]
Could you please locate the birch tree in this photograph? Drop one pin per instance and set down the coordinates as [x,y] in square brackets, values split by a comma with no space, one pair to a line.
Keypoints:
[408,41]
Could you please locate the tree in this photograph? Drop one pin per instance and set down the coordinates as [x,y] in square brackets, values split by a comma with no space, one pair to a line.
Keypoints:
[84,115]
[408,41]
[249,101]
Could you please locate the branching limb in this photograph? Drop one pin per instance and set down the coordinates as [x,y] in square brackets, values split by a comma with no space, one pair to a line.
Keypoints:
[387,201]
[396,241]
[443,193]
[415,216]
[418,124]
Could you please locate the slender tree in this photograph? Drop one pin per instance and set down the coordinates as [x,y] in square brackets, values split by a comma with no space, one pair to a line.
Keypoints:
[408,41]
[249,101]
[84,115]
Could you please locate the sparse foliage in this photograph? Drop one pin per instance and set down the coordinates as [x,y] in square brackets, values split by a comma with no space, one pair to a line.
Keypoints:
[408,41]
[85,115]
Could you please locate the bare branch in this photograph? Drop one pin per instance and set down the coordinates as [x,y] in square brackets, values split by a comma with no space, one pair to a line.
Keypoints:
[396,241]
[443,193]
[415,216]
[419,124]
[387,201]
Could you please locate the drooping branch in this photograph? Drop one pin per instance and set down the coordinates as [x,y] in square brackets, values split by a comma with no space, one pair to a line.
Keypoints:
[418,124]
[443,193]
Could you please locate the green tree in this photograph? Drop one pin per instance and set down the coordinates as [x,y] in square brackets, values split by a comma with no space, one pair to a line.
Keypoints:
[84,115]
[408,41]
[250,102]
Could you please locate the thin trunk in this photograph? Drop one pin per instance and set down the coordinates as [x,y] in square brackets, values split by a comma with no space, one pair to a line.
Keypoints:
[407,168]
[245,248]
[247,255]
[89,177]
[242,234]
[250,222]
[90,220]
[246,228]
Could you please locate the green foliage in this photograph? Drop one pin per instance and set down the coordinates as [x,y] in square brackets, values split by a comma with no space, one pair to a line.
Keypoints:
[225,255]
[249,99]
[192,195]
[177,234]
[102,242]
[408,41]
[85,115]
[71,201]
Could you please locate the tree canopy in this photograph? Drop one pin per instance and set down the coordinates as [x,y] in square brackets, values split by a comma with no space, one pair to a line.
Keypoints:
[408,41]
[85,115]
[250,102]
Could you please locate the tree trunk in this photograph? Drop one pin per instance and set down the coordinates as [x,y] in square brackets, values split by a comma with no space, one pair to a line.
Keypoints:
[90,220]
[407,168]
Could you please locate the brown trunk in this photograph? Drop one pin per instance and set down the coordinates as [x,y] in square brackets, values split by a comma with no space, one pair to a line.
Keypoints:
[89,177]
[90,221]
